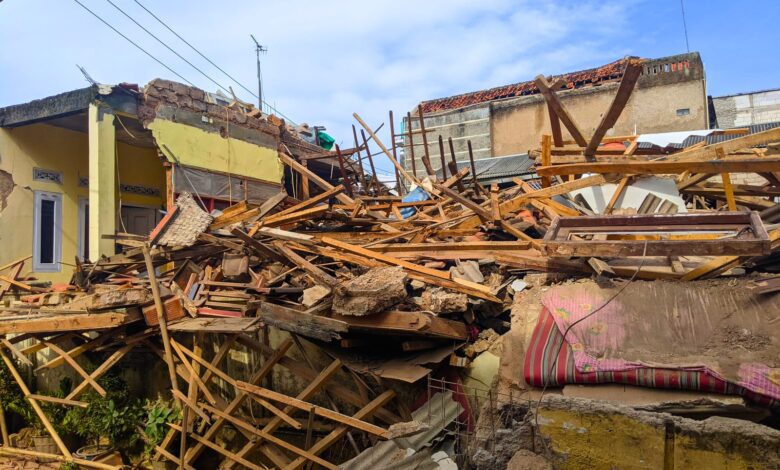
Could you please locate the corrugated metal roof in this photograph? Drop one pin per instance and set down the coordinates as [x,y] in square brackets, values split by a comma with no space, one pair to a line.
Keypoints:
[404,453]
[712,138]
[499,168]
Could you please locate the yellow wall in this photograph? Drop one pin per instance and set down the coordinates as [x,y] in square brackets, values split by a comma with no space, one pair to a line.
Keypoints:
[198,148]
[54,148]
[603,438]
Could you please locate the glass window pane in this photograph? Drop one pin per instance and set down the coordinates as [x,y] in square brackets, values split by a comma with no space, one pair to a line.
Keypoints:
[47,232]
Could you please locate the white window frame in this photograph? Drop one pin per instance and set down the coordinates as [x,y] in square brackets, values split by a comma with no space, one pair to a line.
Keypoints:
[55,266]
[83,234]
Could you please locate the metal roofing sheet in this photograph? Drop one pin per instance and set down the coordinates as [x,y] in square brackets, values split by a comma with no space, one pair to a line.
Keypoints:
[712,138]
[437,413]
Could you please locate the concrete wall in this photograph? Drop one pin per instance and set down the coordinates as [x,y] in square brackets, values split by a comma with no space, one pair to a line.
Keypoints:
[519,123]
[53,148]
[669,96]
[471,123]
[747,109]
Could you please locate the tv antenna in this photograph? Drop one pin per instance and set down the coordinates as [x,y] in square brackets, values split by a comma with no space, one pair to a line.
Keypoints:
[258,49]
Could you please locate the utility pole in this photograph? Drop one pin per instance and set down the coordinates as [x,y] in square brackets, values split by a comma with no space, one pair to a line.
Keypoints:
[258,49]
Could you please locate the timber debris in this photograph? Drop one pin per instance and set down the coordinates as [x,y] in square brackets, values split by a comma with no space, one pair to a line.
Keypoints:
[373,288]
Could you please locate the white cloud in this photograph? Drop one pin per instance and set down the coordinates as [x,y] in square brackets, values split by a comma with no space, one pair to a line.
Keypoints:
[325,60]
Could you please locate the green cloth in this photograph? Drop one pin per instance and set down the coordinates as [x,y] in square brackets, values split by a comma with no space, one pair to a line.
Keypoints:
[326,141]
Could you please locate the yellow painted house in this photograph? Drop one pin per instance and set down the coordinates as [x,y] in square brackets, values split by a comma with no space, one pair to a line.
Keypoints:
[80,165]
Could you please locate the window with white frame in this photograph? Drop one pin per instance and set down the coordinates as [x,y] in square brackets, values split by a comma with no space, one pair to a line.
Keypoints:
[47,232]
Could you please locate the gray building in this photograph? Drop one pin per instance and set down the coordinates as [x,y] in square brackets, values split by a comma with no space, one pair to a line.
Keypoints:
[745,109]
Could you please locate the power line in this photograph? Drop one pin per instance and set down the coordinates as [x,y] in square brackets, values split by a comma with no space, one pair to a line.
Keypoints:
[211,62]
[195,49]
[133,43]
[168,47]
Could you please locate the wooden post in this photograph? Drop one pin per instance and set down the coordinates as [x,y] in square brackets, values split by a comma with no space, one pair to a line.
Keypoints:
[387,153]
[395,155]
[729,190]
[411,143]
[360,160]
[4,427]
[443,160]
[426,156]
[169,178]
[305,182]
[370,162]
[161,319]
[546,157]
[454,166]
[477,187]
[36,407]
[347,181]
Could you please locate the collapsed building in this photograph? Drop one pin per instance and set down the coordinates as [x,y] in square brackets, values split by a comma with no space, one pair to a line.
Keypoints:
[618,309]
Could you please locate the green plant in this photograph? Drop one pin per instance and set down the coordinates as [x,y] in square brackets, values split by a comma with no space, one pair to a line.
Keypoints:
[158,415]
[114,416]
[69,466]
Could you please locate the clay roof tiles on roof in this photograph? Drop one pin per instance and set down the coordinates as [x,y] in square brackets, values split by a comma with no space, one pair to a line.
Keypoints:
[609,71]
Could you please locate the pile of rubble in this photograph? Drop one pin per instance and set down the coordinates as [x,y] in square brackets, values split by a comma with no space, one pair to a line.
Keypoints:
[389,289]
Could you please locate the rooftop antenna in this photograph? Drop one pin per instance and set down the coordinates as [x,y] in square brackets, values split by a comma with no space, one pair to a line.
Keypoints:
[685,25]
[84,72]
[258,49]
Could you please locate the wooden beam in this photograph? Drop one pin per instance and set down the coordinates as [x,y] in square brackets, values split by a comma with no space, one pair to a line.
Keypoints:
[553,102]
[730,165]
[729,191]
[335,435]
[36,407]
[290,161]
[616,195]
[387,153]
[161,320]
[627,83]
[546,158]
[318,410]
[320,198]
[68,322]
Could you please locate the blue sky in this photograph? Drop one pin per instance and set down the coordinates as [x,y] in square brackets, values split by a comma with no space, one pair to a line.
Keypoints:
[329,59]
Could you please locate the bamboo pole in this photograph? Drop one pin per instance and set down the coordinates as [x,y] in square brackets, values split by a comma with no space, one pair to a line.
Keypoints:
[161,319]
[36,407]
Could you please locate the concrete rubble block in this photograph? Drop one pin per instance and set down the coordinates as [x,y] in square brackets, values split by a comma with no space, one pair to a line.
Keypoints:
[313,295]
[484,342]
[197,94]
[373,292]
[526,460]
[440,300]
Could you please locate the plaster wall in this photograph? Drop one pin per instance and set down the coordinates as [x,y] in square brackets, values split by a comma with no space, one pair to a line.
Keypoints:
[53,148]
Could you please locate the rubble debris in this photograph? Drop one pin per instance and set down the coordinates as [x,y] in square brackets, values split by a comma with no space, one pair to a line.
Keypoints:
[181,226]
[314,295]
[439,300]
[316,284]
[373,292]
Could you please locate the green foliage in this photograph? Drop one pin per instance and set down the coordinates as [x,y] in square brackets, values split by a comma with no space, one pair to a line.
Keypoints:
[13,400]
[158,415]
[69,466]
[114,416]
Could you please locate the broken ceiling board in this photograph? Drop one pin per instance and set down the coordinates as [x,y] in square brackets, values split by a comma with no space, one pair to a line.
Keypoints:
[742,234]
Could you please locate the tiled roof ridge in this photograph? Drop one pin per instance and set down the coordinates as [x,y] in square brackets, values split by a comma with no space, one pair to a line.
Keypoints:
[577,79]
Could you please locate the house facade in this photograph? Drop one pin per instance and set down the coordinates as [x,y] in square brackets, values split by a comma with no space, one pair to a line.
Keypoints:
[510,120]
[78,167]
